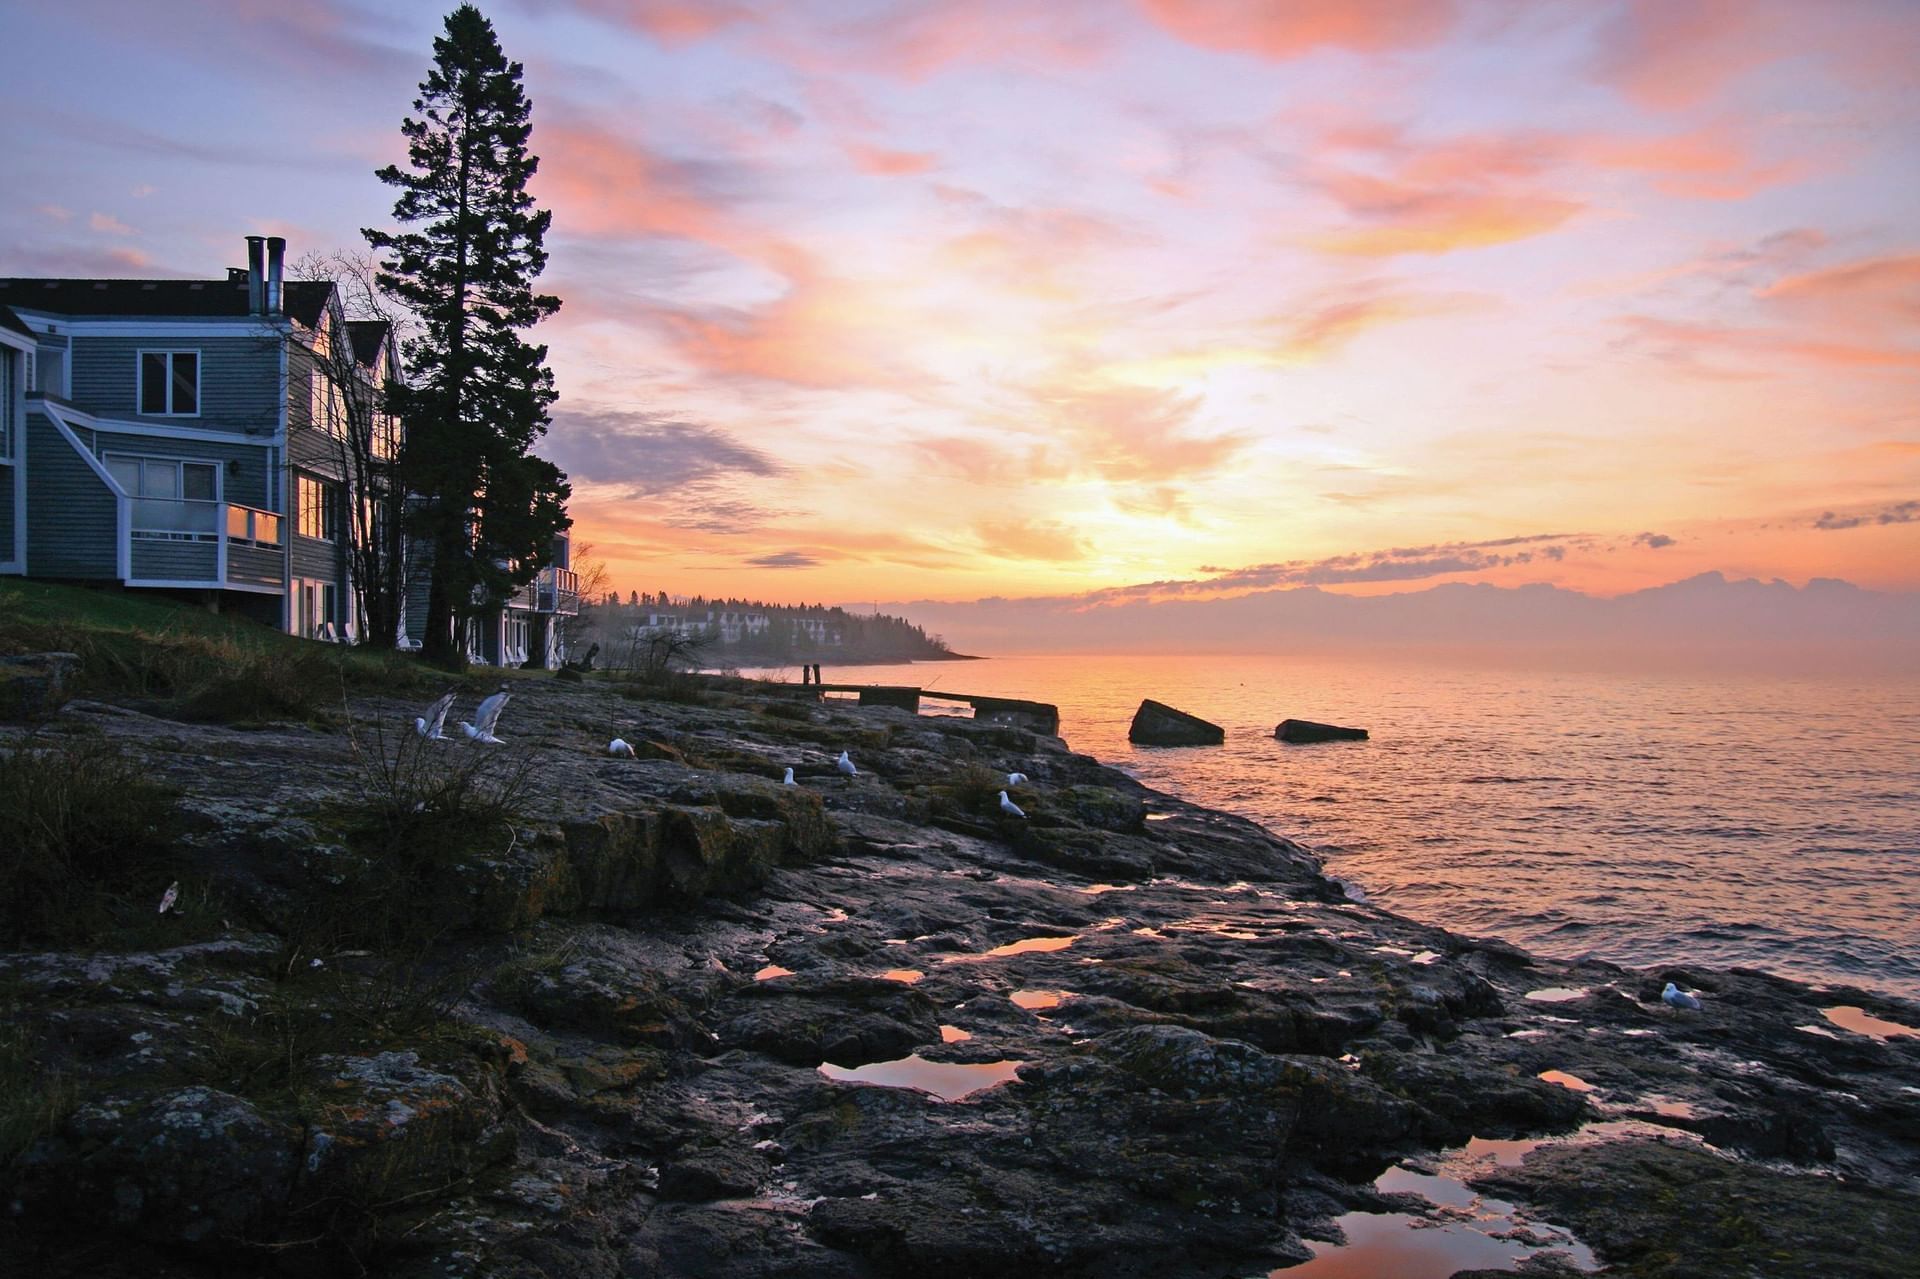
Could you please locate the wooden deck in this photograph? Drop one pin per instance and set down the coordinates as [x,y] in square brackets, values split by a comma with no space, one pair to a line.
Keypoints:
[1041,717]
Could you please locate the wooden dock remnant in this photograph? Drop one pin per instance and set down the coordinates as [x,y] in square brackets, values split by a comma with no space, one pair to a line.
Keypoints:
[1038,717]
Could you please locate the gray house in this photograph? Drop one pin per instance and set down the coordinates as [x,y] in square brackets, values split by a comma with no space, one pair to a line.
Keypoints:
[186,437]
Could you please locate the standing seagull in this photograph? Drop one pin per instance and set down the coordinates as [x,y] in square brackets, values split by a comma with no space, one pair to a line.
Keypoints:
[486,718]
[1678,998]
[171,896]
[845,765]
[620,747]
[433,724]
[1016,779]
[1008,807]
[788,779]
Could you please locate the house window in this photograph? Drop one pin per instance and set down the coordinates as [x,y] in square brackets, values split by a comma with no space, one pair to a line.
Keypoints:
[170,383]
[317,508]
[172,498]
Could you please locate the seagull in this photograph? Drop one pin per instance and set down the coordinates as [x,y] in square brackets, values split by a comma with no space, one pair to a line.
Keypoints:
[620,747]
[1678,997]
[1008,807]
[1016,779]
[788,779]
[168,898]
[432,724]
[845,765]
[484,719]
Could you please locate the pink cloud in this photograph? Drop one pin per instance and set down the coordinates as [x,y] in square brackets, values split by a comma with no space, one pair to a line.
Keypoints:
[882,162]
[1277,31]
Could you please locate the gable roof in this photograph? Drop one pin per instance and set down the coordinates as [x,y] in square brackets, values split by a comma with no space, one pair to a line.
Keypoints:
[368,336]
[13,323]
[154,299]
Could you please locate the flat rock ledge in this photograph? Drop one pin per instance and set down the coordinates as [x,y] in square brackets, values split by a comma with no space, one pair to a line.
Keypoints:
[643,1035]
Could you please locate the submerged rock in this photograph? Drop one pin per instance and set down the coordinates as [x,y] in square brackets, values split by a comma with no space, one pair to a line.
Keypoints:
[1303,731]
[1157,724]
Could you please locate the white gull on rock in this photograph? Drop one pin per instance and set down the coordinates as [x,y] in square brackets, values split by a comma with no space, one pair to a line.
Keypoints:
[487,718]
[1008,807]
[432,725]
[1678,998]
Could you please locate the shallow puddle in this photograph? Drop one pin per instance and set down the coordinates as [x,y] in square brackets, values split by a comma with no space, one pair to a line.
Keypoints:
[1565,1080]
[1095,890]
[1668,1108]
[1427,957]
[1033,1000]
[1025,946]
[1861,1022]
[1557,994]
[953,1035]
[905,976]
[1505,1152]
[947,1080]
[771,971]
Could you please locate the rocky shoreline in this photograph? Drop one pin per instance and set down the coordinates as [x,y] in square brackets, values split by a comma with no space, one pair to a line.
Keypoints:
[624,1028]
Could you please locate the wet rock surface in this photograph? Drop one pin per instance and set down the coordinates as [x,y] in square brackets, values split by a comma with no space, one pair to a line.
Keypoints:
[1149,1039]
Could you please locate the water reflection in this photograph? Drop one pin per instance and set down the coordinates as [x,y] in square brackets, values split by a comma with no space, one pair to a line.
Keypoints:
[1861,1022]
[947,1080]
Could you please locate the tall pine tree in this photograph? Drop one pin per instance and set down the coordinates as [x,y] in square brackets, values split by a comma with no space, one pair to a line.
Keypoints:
[479,393]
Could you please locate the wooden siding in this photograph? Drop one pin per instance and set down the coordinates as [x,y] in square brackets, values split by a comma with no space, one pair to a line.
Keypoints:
[317,559]
[160,560]
[72,516]
[255,565]
[239,379]
[7,553]
[245,484]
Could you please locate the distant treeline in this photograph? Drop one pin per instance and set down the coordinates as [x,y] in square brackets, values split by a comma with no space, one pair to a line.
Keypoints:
[752,631]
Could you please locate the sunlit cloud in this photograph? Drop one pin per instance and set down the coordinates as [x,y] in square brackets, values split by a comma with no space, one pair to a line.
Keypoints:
[882,162]
[1280,31]
[1030,540]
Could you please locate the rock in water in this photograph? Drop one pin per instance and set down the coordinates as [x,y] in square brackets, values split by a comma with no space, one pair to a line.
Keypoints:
[1300,731]
[1157,724]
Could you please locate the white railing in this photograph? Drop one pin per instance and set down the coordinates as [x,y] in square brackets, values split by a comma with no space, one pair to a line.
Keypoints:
[557,590]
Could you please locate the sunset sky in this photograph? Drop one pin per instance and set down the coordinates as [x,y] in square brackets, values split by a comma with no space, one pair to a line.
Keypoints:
[962,298]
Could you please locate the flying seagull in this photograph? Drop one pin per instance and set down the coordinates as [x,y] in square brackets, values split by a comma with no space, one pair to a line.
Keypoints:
[619,746]
[1008,807]
[432,725]
[486,718]
[788,779]
[1678,998]
[845,765]
[1016,779]
[168,898]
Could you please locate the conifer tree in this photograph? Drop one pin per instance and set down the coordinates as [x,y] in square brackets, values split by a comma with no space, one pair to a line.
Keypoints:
[479,393]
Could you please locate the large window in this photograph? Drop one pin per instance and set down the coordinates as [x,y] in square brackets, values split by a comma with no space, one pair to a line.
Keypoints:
[170,383]
[172,497]
[317,508]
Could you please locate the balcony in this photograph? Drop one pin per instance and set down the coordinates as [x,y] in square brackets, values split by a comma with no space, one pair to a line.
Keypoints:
[178,542]
[557,590]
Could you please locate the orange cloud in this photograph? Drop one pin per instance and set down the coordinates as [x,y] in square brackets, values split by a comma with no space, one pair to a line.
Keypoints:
[604,183]
[671,22]
[1129,434]
[1030,540]
[883,162]
[823,332]
[1682,343]
[1711,163]
[1873,295]
[1279,31]
[1401,218]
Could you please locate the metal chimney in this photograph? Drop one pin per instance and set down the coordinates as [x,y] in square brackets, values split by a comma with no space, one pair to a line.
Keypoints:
[256,275]
[276,274]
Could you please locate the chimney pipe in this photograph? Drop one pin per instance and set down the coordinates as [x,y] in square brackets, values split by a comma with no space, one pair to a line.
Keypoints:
[276,269]
[256,275]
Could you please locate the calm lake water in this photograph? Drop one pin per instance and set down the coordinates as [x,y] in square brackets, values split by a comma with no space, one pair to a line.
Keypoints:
[1768,822]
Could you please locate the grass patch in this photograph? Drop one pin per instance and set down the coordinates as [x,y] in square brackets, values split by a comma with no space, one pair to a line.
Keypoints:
[202,665]
[972,791]
[34,1101]
[85,842]
[430,814]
